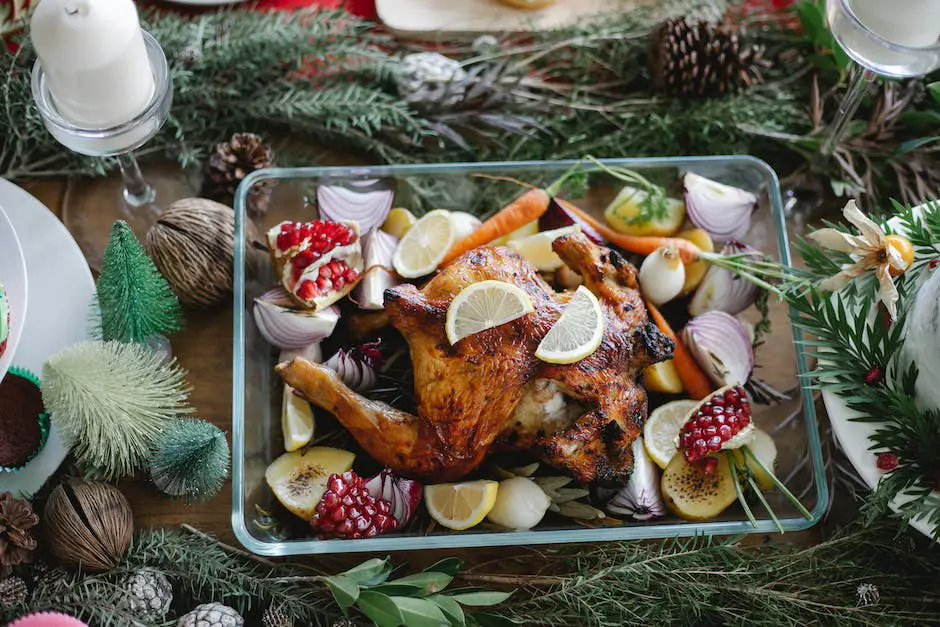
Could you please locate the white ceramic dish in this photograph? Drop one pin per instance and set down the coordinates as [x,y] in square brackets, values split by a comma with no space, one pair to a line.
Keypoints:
[855,437]
[58,314]
[13,279]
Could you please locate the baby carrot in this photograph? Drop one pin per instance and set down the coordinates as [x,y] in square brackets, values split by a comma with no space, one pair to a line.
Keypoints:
[694,380]
[524,209]
[639,244]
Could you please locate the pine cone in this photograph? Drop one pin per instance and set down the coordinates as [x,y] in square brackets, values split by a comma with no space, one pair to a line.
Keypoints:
[231,162]
[47,576]
[149,593]
[13,591]
[16,541]
[211,615]
[703,60]
[277,617]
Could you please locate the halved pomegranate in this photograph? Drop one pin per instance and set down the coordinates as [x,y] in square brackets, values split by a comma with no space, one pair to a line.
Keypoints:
[721,421]
[318,262]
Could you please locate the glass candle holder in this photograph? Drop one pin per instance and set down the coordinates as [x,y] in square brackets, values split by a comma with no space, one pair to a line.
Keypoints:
[119,141]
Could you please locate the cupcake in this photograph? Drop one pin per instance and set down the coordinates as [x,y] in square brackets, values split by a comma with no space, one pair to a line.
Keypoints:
[24,424]
[47,619]
[4,319]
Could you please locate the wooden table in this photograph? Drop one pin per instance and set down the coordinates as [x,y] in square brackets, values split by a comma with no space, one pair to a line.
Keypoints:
[204,348]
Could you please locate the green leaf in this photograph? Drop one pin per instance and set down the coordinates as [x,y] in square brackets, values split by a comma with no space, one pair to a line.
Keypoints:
[812,20]
[451,609]
[427,583]
[371,572]
[420,612]
[934,90]
[481,599]
[449,565]
[344,589]
[393,588]
[914,144]
[380,609]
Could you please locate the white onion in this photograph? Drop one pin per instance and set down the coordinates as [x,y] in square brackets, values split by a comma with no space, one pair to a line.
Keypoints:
[369,209]
[287,326]
[378,248]
[464,224]
[721,290]
[722,211]
[662,275]
[721,346]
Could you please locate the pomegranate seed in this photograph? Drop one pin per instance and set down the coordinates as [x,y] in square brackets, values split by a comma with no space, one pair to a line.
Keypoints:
[710,431]
[874,375]
[325,272]
[307,290]
[710,465]
[724,432]
[714,443]
[887,461]
[933,264]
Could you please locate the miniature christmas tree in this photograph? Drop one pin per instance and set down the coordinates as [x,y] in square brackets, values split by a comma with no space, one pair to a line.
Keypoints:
[110,401]
[135,300]
[191,459]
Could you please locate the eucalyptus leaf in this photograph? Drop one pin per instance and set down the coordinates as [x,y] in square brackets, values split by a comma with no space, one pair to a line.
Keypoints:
[392,588]
[481,599]
[427,582]
[380,609]
[451,609]
[448,565]
[370,572]
[420,612]
[344,589]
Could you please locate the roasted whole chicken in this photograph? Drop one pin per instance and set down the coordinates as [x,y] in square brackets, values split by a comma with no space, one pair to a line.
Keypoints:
[489,392]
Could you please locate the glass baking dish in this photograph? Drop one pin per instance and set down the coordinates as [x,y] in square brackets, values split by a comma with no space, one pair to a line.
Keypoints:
[473,187]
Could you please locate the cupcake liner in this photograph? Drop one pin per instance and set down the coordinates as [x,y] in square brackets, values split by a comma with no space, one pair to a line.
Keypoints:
[43,419]
[47,619]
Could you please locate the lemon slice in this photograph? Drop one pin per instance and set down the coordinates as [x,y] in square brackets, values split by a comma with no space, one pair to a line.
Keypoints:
[537,249]
[485,305]
[424,245]
[577,333]
[398,222]
[662,428]
[460,506]
[296,420]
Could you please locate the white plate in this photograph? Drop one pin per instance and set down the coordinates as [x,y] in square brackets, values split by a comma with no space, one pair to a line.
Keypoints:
[855,437]
[60,294]
[13,279]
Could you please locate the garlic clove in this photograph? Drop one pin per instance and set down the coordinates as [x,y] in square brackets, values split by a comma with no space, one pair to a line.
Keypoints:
[286,326]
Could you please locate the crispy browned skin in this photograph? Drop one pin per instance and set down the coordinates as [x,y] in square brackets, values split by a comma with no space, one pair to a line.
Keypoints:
[467,393]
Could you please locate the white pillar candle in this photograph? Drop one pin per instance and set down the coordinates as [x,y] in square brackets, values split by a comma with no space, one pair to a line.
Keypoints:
[914,23]
[94,58]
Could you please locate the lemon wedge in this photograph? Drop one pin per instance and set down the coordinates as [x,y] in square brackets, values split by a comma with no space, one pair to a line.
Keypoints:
[485,305]
[537,249]
[578,332]
[296,420]
[662,377]
[460,506]
[424,245]
[662,428]
[398,222]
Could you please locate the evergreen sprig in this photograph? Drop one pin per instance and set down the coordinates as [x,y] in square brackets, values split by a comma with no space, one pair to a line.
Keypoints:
[110,401]
[701,581]
[134,300]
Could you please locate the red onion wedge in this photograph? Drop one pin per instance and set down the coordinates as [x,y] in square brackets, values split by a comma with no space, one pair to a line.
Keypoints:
[402,494]
[287,326]
[722,290]
[724,212]
[721,346]
[369,209]
[556,217]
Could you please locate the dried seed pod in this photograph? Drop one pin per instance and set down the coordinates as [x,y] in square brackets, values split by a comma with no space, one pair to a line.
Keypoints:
[88,524]
[192,244]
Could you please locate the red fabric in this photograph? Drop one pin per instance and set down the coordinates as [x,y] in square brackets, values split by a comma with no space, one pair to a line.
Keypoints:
[362,8]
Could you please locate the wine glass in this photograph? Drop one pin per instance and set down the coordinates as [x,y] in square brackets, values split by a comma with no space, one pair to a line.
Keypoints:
[895,38]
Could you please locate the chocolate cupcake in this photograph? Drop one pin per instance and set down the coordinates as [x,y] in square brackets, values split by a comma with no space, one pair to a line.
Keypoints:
[24,424]
[4,319]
